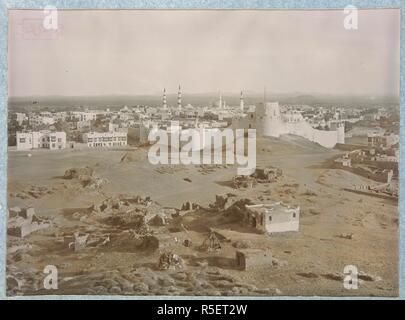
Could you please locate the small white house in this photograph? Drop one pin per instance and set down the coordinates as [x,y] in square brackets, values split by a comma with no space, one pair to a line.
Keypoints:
[345,162]
[273,217]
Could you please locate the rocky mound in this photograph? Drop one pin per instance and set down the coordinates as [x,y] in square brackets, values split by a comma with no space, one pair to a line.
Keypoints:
[85,176]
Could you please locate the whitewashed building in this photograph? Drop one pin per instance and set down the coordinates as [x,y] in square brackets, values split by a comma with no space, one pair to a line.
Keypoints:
[84,116]
[272,217]
[41,139]
[48,120]
[105,139]
[20,117]
[83,125]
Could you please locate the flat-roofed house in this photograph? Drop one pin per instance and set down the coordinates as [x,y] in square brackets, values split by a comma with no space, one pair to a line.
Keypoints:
[105,139]
[272,217]
[41,139]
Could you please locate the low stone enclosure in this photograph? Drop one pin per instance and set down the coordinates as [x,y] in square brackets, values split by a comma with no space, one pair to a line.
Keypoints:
[247,259]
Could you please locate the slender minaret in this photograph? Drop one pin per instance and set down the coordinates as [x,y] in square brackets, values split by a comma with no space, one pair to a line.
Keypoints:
[242,104]
[164,99]
[220,99]
[179,99]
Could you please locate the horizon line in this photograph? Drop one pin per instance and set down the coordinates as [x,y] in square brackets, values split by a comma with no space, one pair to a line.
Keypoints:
[252,93]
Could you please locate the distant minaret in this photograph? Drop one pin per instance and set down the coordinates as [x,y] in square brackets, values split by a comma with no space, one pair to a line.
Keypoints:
[179,99]
[242,104]
[264,95]
[220,100]
[164,99]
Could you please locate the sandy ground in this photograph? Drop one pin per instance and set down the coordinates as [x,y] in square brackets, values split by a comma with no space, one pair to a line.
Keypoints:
[307,258]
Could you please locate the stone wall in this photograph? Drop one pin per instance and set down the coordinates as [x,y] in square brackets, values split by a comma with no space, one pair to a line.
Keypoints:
[247,259]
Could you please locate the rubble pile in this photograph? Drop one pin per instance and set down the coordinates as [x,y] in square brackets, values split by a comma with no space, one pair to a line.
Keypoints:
[124,223]
[189,206]
[211,243]
[261,175]
[85,176]
[230,205]
[76,173]
[133,211]
[224,201]
[245,182]
[267,174]
[19,282]
[170,261]
[23,221]
[34,192]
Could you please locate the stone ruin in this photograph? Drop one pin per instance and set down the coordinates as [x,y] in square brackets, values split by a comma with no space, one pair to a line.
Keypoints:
[23,221]
[121,202]
[131,218]
[133,211]
[230,205]
[189,206]
[76,173]
[223,201]
[85,176]
[245,182]
[267,174]
[80,241]
[170,261]
[211,243]
[261,175]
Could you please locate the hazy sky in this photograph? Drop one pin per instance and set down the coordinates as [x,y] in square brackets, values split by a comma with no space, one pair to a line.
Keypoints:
[140,52]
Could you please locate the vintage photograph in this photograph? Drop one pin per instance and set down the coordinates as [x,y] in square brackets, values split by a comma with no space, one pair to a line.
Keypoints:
[203,152]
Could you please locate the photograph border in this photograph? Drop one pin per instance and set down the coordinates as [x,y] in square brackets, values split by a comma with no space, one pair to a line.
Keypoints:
[6,5]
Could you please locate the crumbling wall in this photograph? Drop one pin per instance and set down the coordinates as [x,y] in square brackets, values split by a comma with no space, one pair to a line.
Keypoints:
[22,222]
[267,174]
[247,259]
